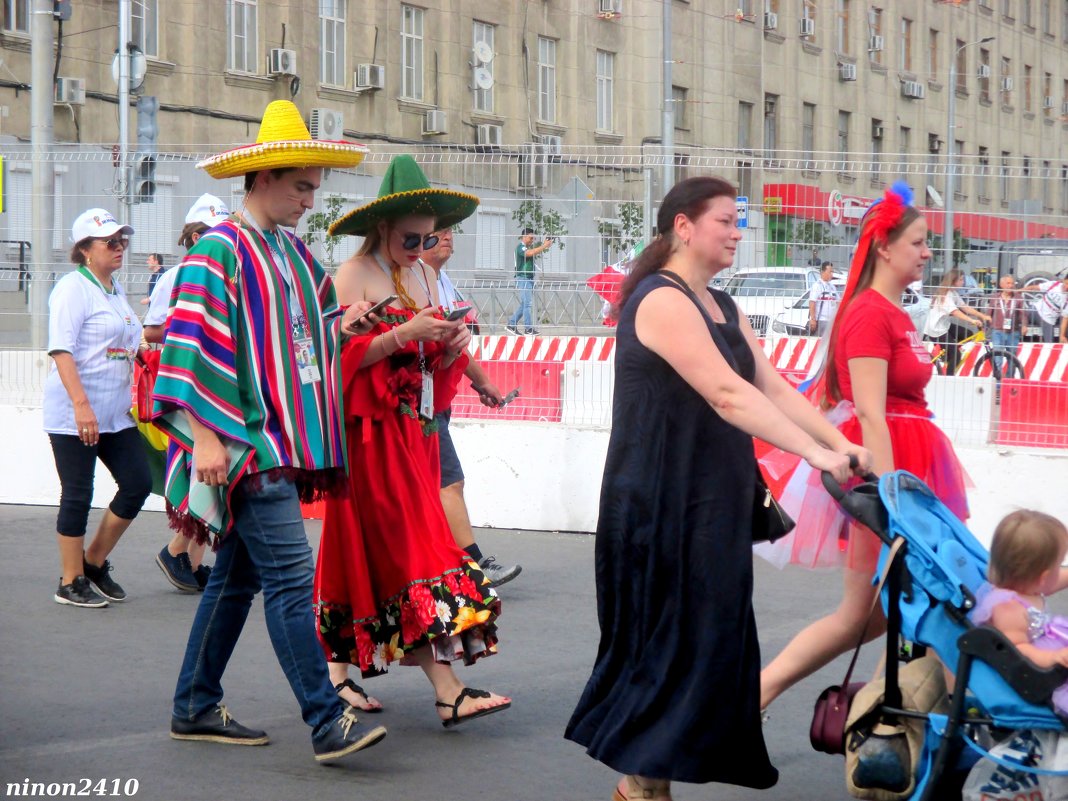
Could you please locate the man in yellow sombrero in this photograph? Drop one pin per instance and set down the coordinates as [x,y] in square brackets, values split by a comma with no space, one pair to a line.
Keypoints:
[392,584]
[248,392]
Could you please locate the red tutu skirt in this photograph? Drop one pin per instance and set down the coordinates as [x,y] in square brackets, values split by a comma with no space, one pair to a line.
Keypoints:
[825,536]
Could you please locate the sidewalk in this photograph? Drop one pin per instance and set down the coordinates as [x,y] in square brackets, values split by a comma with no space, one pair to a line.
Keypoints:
[86,693]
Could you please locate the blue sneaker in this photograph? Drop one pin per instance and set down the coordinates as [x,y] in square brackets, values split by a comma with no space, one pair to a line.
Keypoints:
[178,570]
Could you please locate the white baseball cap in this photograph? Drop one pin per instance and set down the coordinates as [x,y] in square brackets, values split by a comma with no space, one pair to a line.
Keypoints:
[208,210]
[96,223]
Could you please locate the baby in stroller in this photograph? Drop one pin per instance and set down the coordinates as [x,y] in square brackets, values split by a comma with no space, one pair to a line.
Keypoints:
[1025,566]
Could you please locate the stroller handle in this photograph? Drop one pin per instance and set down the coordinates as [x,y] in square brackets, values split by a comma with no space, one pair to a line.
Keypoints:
[836,490]
[861,502]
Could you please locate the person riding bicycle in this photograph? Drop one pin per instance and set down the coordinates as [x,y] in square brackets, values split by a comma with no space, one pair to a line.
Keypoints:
[951,320]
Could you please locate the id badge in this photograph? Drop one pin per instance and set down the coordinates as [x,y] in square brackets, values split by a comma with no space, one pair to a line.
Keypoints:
[307,364]
[426,397]
[1006,324]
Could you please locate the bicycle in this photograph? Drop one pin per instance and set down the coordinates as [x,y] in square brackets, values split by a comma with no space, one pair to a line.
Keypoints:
[1003,362]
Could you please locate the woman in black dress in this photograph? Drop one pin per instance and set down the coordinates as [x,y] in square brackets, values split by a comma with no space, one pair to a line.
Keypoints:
[675,693]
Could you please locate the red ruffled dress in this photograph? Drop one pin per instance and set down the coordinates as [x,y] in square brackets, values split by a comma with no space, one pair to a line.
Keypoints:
[390,577]
[873,328]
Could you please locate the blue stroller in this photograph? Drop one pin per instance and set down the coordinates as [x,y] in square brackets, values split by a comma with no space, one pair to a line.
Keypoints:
[929,591]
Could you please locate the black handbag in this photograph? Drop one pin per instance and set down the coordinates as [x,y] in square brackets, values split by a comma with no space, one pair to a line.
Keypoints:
[770,521]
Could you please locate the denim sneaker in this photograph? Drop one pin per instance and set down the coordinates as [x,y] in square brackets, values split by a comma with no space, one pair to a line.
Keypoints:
[498,574]
[102,582]
[345,736]
[202,574]
[79,593]
[177,570]
[216,726]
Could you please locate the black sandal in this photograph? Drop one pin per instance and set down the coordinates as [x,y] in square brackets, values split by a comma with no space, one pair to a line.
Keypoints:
[349,684]
[468,692]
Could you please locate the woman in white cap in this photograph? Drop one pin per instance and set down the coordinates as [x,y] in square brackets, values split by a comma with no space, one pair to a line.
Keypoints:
[181,559]
[93,336]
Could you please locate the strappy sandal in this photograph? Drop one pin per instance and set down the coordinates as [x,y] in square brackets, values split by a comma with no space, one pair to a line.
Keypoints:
[468,692]
[635,791]
[349,684]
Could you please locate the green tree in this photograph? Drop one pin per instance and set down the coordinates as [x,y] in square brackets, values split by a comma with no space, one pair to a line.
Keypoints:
[318,223]
[961,246]
[545,222]
[627,232]
[814,234]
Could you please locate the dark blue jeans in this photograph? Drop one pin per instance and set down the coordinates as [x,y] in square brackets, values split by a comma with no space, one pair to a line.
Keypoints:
[268,548]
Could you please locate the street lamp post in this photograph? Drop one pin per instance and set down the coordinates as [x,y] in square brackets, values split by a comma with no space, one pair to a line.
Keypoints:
[947,229]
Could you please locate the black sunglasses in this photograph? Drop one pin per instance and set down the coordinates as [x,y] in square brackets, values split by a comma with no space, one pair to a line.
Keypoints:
[411,241]
[117,242]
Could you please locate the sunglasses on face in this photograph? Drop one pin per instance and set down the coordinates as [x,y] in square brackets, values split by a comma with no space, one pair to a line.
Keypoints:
[412,241]
[116,242]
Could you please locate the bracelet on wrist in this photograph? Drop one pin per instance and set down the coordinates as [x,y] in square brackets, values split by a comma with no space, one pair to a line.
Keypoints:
[396,338]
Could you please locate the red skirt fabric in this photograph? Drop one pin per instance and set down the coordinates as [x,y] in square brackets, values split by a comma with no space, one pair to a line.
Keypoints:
[390,577]
[825,536]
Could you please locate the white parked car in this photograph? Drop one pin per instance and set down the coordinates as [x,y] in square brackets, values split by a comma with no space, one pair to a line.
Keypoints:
[793,321]
[762,293]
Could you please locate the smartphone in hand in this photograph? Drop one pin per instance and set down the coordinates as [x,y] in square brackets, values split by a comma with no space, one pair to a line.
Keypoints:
[511,396]
[458,313]
[378,307]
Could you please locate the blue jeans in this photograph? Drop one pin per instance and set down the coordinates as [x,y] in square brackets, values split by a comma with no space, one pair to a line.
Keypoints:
[526,303]
[1005,340]
[267,548]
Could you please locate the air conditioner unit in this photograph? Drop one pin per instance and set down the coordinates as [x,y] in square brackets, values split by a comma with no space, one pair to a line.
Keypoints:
[983,71]
[490,134]
[1047,101]
[435,122]
[847,72]
[532,166]
[876,131]
[552,144]
[283,62]
[609,6]
[70,91]
[771,20]
[876,43]
[1006,84]
[913,89]
[325,123]
[934,144]
[370,76]
[808,26]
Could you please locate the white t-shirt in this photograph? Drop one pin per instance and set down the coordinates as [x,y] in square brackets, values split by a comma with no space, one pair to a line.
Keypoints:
[825,295]
[159,302]
[1052,304]
[447,294]
[102,333]
[939,318]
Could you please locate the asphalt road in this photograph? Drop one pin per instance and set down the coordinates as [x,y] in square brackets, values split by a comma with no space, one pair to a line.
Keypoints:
[85,694]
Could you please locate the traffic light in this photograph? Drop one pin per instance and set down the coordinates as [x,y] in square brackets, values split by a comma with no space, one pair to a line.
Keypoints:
[144,177]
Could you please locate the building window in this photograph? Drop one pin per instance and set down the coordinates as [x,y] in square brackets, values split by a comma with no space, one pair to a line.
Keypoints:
[958,169]
[841,26]
[1025,13]
[903,137]
[1027,88]
[1026,193]
[745,144]
[808,11]
[1006,75]
[546,79]
[808,134]
[984,80]
[485,33]
[412,52]
[605,70]
[932,54]
[875,28]
[1064,21]
[771,6]
[1047,17]
[332,47]
[1003,178]
[1006,8]
[678,102]
[982,174]
[144,26]
[906,44]
[771,127]
[843,135]
[17,16]
[242,39]
[876,151]
[961,66]
[1047,180]
[1047,94]
[1064,188]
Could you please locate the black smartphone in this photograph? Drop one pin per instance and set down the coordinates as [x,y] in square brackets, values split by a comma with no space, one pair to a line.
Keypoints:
[377,308]
[511,396]
[458,313]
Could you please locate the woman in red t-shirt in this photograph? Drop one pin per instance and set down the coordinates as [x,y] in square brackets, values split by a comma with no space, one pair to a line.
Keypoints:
[877,369]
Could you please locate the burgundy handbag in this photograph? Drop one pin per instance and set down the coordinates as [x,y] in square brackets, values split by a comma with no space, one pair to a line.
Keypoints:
[827,732]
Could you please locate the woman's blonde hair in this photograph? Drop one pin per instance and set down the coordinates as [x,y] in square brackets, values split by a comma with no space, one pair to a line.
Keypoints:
[949,281]
[1026,544]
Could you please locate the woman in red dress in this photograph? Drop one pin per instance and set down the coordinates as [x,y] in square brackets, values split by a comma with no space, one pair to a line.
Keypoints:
[877,370]
[391,583]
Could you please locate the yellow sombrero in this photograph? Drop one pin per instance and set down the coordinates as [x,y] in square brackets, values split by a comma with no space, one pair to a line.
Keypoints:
[405,190]
[283,141]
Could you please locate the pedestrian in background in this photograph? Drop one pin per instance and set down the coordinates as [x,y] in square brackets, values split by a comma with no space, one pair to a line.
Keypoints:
[1008,315]
[674,693]
[823,301]
[154,262]
[247,393]
[1051,306]
[93,337]
[526,264]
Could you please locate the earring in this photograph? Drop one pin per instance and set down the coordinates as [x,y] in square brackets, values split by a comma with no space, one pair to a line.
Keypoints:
[88,262]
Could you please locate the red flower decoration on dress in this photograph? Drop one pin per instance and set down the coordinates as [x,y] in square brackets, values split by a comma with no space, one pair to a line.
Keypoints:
[365,648]
[426,610]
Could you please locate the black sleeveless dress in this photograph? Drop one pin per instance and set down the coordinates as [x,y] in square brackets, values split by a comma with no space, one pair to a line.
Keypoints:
[675,691]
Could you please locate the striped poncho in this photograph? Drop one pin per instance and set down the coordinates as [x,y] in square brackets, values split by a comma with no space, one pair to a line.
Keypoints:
[228,359]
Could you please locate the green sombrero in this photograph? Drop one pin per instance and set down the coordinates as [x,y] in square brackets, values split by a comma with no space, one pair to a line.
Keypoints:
[405,190]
